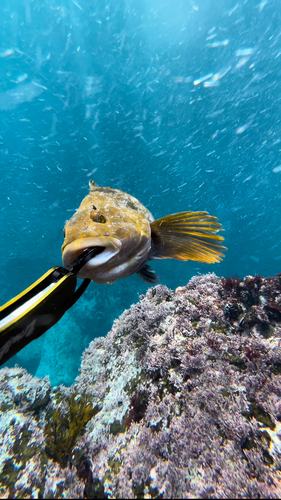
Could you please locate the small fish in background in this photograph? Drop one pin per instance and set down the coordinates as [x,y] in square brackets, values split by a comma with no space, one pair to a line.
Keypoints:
[23,92]
[129,237]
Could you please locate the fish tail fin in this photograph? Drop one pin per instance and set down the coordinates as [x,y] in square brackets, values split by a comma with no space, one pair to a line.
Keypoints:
[187,236]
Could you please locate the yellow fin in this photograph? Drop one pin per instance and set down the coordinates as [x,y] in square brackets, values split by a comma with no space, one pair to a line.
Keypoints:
[187,236]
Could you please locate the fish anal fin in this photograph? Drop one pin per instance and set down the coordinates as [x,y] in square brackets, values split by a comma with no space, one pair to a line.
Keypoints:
[148,275]
[187,236]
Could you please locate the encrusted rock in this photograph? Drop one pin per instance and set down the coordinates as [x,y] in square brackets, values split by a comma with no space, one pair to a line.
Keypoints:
[22,391]
[180,399]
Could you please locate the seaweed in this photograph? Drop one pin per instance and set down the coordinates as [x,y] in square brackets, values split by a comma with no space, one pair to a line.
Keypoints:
[233,311]
[238,362]
[256,411]
[24,449]
[65,427]
[230,285]
[252,353]
[247,290]
[93,487]
[273,311]
[138,407]
[118,427]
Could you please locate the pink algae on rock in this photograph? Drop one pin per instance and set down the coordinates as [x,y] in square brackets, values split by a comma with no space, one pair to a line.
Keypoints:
[185,397]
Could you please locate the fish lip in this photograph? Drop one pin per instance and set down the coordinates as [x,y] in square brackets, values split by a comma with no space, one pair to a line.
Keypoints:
[72,250]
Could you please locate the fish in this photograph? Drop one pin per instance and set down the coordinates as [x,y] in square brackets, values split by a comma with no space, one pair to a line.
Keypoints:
[128,237]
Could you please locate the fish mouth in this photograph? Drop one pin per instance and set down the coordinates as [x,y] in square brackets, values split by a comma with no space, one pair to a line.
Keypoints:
[109,248]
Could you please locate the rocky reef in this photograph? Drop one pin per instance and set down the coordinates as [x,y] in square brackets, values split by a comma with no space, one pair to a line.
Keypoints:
[180,400]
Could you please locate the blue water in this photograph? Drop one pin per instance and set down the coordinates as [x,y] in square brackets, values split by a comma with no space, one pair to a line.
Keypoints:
[176,102]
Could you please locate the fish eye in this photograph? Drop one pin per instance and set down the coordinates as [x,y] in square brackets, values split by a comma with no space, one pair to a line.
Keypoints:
[98,217]
[63,233]
[101,218]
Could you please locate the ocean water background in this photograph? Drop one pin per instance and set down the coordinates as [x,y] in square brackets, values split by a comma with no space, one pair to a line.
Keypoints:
[176,102]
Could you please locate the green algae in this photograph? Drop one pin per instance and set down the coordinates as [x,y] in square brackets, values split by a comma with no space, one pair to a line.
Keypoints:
[65,427]
[193,301]
[139,341]
[6,406]
[118,427]
[10,475]
[266,330]
[58,397]
[165,386]
[154,493]
[21,449]
[256,411]
[260,442]
[238,362]
[211,357]
[138,490]
[218,328]
[194,324]
[14,467]
[134,383]
[115,466]
[276,368]
[224,393]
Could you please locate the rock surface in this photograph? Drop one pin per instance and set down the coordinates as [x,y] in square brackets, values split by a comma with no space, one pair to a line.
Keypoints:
[181,399]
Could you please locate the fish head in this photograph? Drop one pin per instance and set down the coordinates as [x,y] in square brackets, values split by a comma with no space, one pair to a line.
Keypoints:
[114,221]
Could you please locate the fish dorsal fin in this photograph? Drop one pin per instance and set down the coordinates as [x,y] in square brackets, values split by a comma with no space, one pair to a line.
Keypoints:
[187,236]
[148,275]
[93,185]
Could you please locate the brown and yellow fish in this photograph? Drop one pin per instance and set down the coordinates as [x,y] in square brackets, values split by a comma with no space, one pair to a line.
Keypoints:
[129,236]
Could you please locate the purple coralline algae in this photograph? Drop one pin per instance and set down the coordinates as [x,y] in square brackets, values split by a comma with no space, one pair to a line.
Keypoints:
[180,400]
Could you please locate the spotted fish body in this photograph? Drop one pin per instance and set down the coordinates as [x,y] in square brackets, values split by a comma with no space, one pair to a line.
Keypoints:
[129,236]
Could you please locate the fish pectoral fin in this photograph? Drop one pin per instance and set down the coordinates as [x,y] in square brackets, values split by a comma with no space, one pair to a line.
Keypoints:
[148,275]
[187,236]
